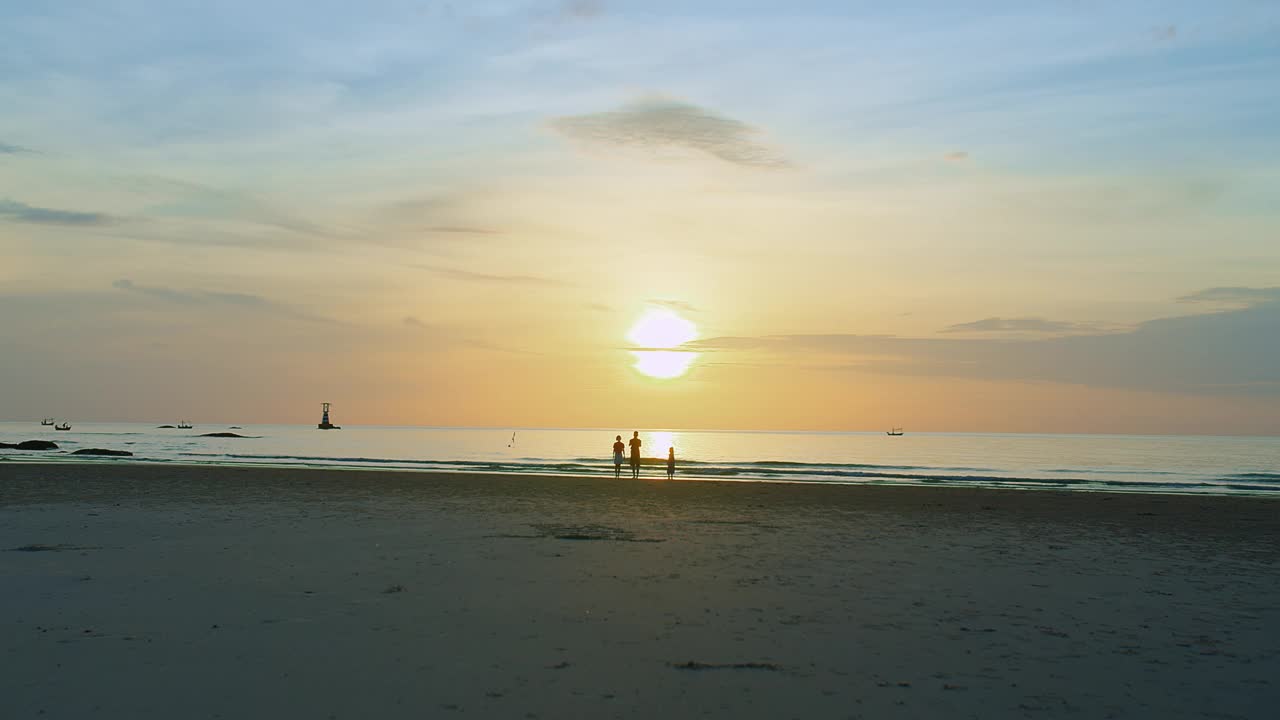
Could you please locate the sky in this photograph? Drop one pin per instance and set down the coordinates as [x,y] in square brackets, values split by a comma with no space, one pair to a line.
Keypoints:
[1053,216]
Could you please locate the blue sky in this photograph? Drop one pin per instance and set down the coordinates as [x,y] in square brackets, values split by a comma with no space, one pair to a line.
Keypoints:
[448,191]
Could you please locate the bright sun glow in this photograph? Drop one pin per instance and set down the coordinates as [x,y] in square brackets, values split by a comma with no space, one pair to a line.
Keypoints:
[661,328]
[663,364]
[659,442]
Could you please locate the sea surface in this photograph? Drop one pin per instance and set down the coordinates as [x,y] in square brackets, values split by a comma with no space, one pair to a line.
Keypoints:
[1181,464]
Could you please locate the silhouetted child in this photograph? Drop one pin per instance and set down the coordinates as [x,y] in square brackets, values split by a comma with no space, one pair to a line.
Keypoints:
[618,447]
[671,463]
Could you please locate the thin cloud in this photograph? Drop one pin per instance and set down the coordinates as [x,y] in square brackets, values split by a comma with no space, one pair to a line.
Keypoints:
[665,124]
[582,9]
[956,156]
[680,305]
[1165,33]
[21,212]
[455,274]
[193,298]
[463,230]
[8,149]
[159,293]
[186,199]
[1022,325]
[412,321]
[1241,296]
[1231,351]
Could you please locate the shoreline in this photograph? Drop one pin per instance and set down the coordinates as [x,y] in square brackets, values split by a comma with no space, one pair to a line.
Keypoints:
[61,481]
[1037,485]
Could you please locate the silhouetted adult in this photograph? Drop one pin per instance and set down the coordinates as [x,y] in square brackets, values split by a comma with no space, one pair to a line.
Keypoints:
[618,448]
[671,463]
[635,443]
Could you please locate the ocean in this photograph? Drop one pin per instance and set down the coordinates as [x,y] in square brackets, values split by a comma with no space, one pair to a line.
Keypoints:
[1163,464]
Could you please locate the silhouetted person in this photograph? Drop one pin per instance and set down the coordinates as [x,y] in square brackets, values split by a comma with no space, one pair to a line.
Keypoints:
[618,447]
[671,463]
[635,443]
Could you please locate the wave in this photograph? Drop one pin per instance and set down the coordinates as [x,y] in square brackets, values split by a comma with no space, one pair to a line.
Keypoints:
[798,472]
[781,471]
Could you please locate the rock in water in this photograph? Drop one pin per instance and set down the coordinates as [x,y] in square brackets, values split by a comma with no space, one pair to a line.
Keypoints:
[31,445]
[223,434]
[103,451]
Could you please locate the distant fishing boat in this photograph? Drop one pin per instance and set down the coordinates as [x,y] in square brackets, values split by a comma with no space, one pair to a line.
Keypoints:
[894,432]
[63,426]
[324,420]
[184,425]
[47,421]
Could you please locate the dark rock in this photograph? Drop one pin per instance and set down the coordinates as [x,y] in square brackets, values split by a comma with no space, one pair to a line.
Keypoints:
[103,451]
[695,665]
[31,445]
[165,427]
[223,434]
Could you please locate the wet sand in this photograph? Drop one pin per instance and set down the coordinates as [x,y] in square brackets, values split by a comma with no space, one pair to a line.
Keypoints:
[137,591]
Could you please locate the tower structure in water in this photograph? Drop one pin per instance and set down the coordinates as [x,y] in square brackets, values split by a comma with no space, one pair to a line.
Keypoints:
[324,420]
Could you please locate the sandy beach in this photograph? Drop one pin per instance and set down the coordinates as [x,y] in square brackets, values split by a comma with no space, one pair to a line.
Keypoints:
[134,591]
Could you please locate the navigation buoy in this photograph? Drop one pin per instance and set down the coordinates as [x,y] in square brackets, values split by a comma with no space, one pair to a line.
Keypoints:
[324,420]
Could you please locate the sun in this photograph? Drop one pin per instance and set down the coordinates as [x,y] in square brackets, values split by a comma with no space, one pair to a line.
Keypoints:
[661,328]
[657,331]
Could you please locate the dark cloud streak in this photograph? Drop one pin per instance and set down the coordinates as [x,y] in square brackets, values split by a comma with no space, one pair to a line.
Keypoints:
[211,298]
[1023,325]
[467,275]
[1243,296]
[21,212]
[9,149]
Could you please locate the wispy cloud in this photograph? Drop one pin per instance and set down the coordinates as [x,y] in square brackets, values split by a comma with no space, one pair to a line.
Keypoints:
[956,156]
[21,212]
[1241,296]
[584,9]
[215,298]
[463,230]
[655,125]
[412,321]
[184,199]
[9,149]
[1023,325]
[456,274]
[680,305]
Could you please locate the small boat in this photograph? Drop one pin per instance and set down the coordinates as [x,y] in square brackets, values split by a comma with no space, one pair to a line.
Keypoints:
[63,426]
[184,425]
[47,421]
[894,432]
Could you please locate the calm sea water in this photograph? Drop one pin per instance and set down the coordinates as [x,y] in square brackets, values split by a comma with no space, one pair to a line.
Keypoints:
[1219,465]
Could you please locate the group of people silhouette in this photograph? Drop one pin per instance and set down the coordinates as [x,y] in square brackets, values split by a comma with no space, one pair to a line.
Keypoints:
[635,443]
